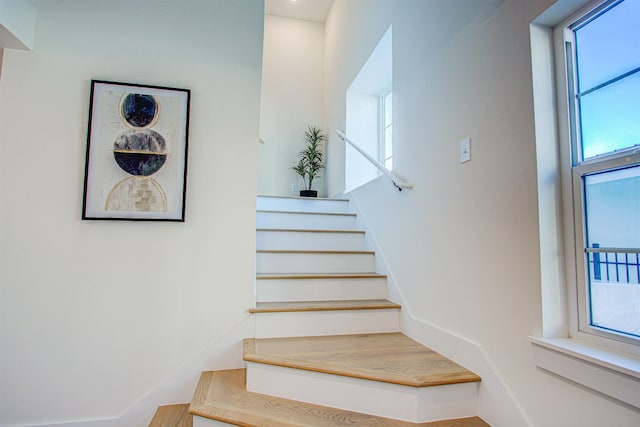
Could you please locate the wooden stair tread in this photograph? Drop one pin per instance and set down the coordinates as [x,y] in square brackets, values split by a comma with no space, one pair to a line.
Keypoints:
[302,230]
[222,396]
[296,306]
[350,214]
[389,357]
[172,416]
[321,252]
[296,276]
[321,199]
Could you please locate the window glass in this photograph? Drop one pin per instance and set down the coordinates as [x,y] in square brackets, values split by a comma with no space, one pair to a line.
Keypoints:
[388,141]
[607,61]
[612,201]
[607,46]
[388,109]
[612,204]
[610,117]
[386,149]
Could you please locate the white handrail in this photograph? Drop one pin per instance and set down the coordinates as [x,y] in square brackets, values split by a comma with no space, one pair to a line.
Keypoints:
[397,181]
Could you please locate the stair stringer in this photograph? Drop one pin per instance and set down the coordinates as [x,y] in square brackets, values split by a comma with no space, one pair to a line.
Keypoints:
[496,403]
[225,352]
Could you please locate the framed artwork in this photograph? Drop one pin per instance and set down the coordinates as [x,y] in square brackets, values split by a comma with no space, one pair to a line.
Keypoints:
[136,164]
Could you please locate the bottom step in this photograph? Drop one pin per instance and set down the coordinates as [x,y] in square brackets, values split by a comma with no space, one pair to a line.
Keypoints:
[172,416]
[221,396]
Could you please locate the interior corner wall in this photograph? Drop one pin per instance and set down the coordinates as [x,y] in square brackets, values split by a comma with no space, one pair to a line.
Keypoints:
[17,24]
[292,99]
[96,314]
[463,244]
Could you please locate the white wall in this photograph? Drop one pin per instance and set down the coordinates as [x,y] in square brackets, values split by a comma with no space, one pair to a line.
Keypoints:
[463,245]
[94,315]
[362,127]
[17,24]
[292,98]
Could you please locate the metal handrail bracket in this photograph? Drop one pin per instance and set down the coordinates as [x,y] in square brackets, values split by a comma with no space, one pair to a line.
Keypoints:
[397,181]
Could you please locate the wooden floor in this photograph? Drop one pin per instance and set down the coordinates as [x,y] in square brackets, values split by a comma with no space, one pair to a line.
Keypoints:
[172,416]
[313,230]
[222,396]
[390,357]
[279,307]
[319,252]
[297,276]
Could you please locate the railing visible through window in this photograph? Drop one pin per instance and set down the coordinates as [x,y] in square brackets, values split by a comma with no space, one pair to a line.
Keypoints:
[614,288]
[614,265]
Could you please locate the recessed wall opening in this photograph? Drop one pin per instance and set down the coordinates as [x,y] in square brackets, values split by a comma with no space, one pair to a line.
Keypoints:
[369,121]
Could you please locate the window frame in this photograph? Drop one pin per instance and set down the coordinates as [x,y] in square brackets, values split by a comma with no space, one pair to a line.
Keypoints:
[383,156]
[574,169]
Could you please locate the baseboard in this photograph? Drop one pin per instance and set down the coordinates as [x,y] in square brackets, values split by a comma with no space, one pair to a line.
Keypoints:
[102,422]
[496,403]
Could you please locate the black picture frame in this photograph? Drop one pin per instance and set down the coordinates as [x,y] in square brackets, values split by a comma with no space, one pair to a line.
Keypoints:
[137,149]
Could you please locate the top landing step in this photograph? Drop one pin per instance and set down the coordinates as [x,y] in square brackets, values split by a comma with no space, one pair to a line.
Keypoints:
[292,203]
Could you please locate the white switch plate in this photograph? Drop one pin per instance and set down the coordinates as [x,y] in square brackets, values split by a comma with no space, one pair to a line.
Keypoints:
[465,150]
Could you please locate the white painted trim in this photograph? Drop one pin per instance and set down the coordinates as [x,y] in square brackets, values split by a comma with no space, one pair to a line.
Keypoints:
[321,289]
[399,402]
[614,374]
[293,203]
[206,422]
[322,323]
[338,198]
[496,403]
[625,364]
[100,422]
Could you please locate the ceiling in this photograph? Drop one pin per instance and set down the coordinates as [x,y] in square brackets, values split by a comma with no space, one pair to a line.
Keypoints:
[309,10]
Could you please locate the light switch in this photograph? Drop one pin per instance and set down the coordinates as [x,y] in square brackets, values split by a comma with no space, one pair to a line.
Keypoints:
[465,150]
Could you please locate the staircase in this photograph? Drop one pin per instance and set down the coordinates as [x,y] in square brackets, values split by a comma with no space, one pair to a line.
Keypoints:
[327,349]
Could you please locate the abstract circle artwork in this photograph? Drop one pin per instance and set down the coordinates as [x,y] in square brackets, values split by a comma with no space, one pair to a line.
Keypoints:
[137,148]
[139,110]
[137,194]
[140,152]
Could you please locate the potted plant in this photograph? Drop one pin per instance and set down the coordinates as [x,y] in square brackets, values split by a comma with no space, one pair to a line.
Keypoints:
[310,160]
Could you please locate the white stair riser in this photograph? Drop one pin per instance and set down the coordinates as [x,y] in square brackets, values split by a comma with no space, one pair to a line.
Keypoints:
[317,241]
[405,403]
[300,204]
[206,422]
[272,290]
[269,262]
[305,221]
[322,323]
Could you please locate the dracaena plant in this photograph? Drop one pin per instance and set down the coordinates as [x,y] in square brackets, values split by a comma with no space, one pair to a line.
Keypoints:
[310,159]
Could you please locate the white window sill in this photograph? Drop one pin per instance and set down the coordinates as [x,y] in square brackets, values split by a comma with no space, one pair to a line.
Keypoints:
[608,372]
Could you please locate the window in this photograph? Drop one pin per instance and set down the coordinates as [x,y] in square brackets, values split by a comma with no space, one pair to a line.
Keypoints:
[603,90]
[369,116]
[386,131]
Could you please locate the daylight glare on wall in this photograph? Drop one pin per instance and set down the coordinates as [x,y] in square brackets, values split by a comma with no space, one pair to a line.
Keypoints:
[363,113]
